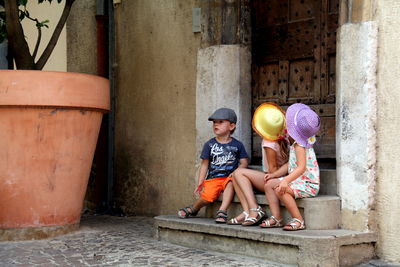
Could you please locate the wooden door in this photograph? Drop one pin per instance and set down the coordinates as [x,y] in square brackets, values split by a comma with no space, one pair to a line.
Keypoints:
[294,51]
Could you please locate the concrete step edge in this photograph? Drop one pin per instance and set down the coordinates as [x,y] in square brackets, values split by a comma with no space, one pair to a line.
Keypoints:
[322,170]
[301,203]
[277,235]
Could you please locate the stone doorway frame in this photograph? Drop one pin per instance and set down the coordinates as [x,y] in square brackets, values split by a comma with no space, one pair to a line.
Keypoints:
[223,79]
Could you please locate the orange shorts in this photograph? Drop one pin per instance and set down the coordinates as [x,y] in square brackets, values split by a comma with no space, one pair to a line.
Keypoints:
[213,188]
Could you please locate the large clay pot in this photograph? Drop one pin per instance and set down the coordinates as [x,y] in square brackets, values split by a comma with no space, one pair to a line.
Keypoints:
[49,124]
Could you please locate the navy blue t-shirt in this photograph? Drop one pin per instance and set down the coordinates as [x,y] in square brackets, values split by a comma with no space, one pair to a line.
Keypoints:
[223,158]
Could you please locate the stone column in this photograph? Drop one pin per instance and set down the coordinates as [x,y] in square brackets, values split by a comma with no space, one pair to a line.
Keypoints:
[223,80]
[388,129]
[356,122]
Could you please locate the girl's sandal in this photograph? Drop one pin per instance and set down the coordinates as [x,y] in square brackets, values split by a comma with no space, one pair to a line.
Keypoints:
[222,216]
[274,224]
[188,211]
[250,221]
[235,221]
[294,225]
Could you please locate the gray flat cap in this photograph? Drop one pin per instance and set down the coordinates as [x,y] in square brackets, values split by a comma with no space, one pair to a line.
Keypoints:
[224,114]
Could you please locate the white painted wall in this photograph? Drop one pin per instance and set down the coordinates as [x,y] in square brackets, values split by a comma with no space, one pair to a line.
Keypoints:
[52,12]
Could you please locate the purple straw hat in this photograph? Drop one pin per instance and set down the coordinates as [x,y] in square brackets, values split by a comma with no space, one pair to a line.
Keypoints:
[302,123]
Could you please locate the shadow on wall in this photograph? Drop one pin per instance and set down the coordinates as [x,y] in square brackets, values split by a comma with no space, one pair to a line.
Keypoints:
[3,56]
[133,192]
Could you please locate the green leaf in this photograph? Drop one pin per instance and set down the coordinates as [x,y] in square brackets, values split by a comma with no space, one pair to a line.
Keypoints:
[22,2]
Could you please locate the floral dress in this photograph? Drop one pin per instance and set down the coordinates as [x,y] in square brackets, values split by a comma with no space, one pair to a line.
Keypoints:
[307,185]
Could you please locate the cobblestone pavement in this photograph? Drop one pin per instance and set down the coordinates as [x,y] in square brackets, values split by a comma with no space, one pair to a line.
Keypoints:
[114,241]
[119,241]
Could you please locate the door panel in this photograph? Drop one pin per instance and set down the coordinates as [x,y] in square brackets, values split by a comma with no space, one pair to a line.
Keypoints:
[294,55]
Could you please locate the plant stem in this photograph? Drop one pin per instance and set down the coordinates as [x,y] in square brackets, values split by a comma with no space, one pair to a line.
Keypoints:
[16,38]
[39,38]
[56,34]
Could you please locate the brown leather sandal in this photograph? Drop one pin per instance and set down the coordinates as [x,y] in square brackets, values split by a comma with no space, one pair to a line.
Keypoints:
[188,211]
[222,216]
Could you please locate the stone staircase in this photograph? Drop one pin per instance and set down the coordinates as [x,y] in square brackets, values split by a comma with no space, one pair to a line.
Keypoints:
[321,244]
[319,213]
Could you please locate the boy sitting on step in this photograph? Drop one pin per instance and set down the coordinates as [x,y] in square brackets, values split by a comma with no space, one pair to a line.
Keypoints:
[220,157]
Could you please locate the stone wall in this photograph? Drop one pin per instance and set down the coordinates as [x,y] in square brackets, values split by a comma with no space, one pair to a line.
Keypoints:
[81,34]
[156,98]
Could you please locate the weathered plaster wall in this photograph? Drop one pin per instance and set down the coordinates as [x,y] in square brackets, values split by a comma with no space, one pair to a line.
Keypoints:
[52,12]
[223,80]
[356,118]
[81,36]
[82,58]
[156,105]
[388,129]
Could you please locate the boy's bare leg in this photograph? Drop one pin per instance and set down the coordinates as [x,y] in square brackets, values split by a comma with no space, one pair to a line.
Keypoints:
[227,196]
[199,204]
[194,208]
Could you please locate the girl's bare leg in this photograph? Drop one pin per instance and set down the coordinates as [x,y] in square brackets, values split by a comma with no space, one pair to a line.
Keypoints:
[290,203]
[272,198]
[246,179]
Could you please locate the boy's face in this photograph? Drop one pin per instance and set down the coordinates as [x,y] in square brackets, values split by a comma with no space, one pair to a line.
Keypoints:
[222,127]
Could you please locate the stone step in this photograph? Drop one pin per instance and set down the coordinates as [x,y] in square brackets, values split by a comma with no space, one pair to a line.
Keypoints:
[320,213]
[327,179]
[306,248]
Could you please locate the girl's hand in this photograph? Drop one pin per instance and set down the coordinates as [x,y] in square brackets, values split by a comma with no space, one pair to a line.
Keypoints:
[282,187]
[198,189]
[269,176]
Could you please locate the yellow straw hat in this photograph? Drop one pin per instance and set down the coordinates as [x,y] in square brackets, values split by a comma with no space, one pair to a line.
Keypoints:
[269,121]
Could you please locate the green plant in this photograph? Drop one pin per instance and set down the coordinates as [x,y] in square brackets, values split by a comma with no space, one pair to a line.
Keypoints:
[13,11]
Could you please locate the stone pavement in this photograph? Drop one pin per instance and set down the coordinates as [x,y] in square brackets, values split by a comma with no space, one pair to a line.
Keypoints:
[119,241]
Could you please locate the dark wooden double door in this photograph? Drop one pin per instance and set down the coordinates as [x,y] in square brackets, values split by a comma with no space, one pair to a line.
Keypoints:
[294,52]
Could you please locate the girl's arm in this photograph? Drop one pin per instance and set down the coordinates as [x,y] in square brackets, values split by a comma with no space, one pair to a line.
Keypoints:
[271,159]
[202,175]
[299,170]
[283,170]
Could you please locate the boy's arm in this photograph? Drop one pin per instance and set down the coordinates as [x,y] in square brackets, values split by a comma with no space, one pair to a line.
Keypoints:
[202,175]
[243,163]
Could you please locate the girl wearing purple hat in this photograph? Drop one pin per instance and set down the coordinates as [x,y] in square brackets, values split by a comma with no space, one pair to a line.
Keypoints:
[303,178]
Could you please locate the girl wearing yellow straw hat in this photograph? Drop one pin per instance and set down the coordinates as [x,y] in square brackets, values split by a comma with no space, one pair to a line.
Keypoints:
[269,122]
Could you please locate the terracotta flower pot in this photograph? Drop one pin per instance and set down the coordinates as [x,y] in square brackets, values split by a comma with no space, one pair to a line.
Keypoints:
[49,124]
